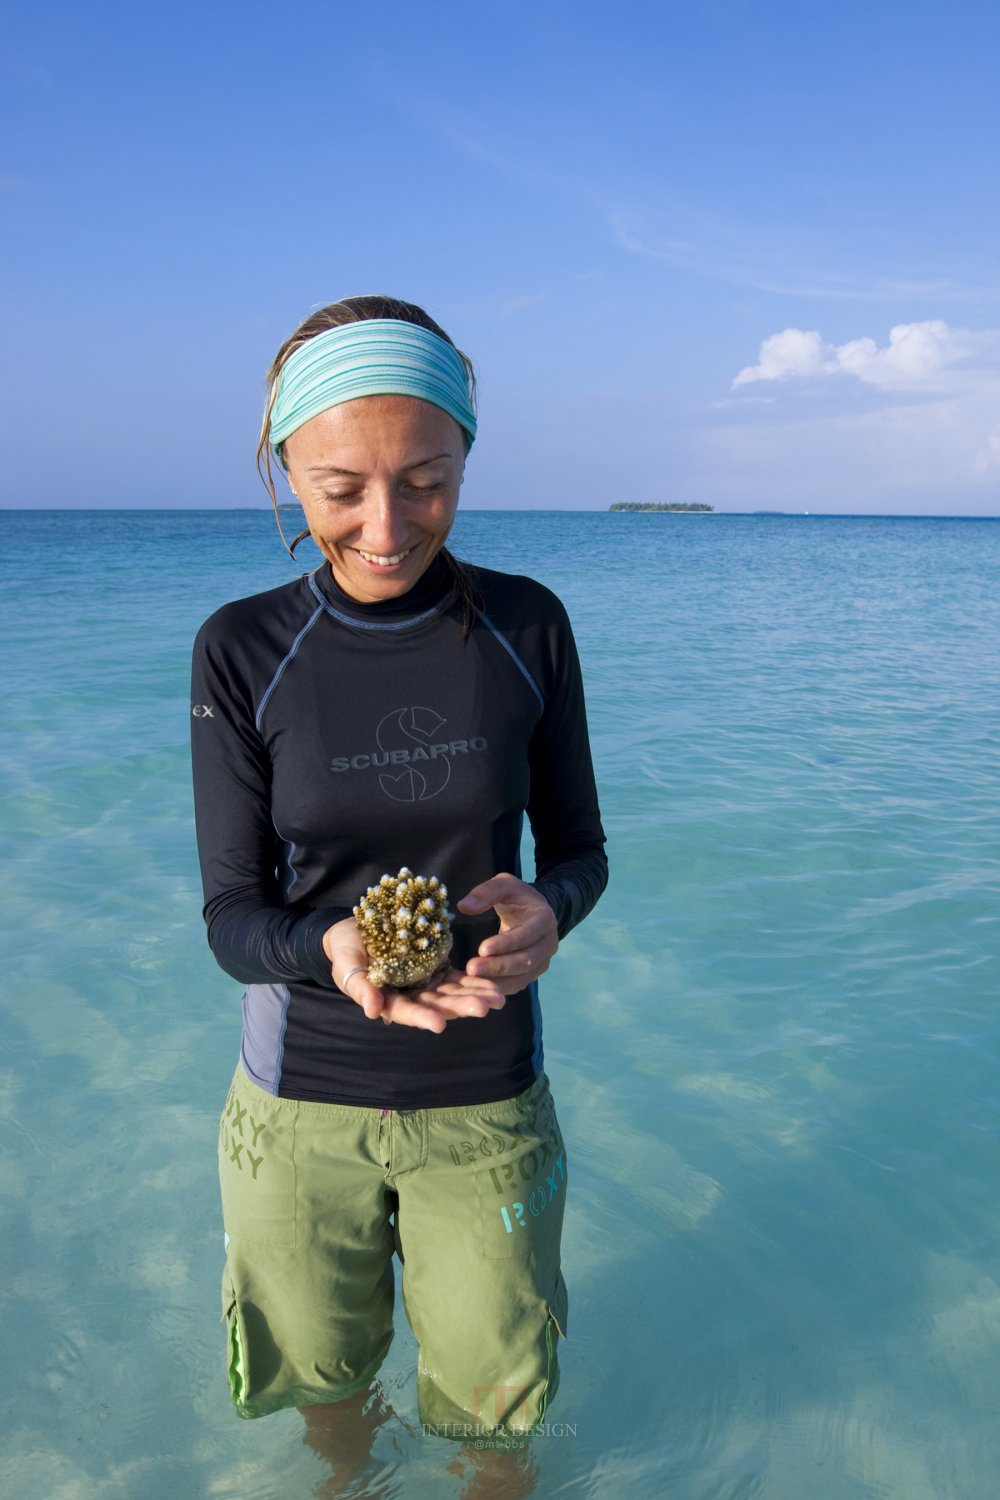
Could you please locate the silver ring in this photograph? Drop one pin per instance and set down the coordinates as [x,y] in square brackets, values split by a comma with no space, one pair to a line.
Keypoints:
[358,969]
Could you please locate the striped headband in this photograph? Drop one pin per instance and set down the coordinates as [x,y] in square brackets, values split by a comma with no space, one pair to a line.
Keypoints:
[374,357]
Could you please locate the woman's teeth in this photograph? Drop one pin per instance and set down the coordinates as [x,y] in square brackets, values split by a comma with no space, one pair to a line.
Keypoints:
[385,562]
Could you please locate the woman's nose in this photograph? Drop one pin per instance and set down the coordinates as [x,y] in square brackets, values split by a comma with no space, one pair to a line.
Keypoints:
[386,530]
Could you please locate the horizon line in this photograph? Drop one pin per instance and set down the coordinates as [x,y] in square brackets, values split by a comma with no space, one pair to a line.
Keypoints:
[589,510]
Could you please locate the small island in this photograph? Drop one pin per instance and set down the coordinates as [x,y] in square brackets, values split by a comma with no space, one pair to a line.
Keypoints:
[674,505]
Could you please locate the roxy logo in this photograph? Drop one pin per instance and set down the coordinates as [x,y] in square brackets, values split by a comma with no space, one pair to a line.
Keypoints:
[413,759]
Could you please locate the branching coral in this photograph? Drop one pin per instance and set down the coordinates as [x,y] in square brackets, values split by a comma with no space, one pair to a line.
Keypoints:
[406,926]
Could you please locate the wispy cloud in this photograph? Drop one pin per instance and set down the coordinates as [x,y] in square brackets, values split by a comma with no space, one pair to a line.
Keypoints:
[518,158]
[643,219]
[515,305]
[720,252]
[986,459]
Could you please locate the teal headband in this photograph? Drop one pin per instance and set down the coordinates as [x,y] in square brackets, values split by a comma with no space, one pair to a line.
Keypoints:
[374,357]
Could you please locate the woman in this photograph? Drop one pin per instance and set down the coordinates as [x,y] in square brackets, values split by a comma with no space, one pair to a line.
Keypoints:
[393,708]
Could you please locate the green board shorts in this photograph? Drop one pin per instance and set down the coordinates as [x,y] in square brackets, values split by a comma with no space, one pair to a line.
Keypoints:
[316,1200]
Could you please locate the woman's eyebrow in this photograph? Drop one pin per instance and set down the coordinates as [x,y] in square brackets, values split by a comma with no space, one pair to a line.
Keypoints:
[434,460]
[354,474]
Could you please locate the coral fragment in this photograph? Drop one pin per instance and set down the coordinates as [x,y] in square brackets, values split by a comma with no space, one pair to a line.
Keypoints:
[405,952]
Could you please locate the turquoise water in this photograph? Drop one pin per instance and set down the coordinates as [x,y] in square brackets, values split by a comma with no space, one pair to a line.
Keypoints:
[774,1044]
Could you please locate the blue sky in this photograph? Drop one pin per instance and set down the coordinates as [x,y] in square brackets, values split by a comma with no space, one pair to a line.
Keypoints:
[731,251]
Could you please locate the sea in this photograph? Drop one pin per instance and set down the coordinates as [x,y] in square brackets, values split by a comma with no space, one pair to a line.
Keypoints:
[773,1045]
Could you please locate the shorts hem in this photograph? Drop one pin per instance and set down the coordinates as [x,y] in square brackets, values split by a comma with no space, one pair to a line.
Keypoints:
[303,1395]
[504,1434]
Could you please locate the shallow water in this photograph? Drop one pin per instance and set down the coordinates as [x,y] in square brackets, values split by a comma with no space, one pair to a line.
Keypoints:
[774,1044]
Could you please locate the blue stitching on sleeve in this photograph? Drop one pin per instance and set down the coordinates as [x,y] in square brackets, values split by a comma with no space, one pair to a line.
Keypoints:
[505,643]
[278,674]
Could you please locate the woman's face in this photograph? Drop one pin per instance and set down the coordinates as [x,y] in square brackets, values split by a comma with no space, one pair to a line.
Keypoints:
[378,480]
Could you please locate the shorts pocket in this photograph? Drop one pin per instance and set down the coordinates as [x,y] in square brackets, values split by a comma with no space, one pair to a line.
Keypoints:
[559,1307]
[236,1366]
[555,1329]
[257,1169]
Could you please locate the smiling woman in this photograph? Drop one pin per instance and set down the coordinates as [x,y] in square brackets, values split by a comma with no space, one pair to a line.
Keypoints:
[331,358]
[342,1141]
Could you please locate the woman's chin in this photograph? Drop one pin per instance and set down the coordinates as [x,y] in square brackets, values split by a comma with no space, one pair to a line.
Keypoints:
[370,581]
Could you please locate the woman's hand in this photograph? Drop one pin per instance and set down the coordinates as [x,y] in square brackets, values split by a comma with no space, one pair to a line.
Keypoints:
[447,997]
[528,935]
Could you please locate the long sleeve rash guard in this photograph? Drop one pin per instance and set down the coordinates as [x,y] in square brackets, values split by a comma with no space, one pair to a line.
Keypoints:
[334,742]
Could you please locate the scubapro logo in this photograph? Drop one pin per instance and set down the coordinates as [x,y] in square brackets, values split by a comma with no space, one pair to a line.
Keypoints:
[413,762]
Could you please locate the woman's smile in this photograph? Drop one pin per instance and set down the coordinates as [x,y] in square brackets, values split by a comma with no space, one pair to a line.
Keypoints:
[385,562]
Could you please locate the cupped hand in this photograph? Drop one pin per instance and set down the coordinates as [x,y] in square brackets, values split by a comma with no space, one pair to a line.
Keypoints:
[528,936]
[449,996]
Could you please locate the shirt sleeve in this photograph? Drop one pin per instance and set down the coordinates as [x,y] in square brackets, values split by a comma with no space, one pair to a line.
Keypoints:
[571,868]
[254,935]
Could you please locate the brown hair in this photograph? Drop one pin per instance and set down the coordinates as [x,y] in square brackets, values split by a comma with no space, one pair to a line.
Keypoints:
[336,315]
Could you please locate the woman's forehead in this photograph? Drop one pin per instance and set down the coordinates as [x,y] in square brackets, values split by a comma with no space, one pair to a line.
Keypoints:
[373,429]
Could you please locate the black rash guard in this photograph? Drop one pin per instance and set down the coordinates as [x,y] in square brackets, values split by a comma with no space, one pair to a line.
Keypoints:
[334,742]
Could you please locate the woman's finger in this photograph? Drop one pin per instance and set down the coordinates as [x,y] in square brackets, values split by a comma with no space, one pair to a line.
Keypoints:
[515,984]
[524,964]
[431,1015]
[452,997]
[355,984]
[456,986]
[403,1012]
[538,937]
[461,996]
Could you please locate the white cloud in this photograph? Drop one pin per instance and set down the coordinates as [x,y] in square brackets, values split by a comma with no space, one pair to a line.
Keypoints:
[922,422]
[917,356]
[783,355]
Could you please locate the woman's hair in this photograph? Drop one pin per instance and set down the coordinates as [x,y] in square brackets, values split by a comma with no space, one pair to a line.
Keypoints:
[336,315]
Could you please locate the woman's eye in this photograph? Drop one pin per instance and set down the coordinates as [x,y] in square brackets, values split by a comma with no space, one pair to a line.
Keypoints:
[342,496]
[424,489]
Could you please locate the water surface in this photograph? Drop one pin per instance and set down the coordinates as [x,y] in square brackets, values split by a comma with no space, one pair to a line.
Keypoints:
[774,1045]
